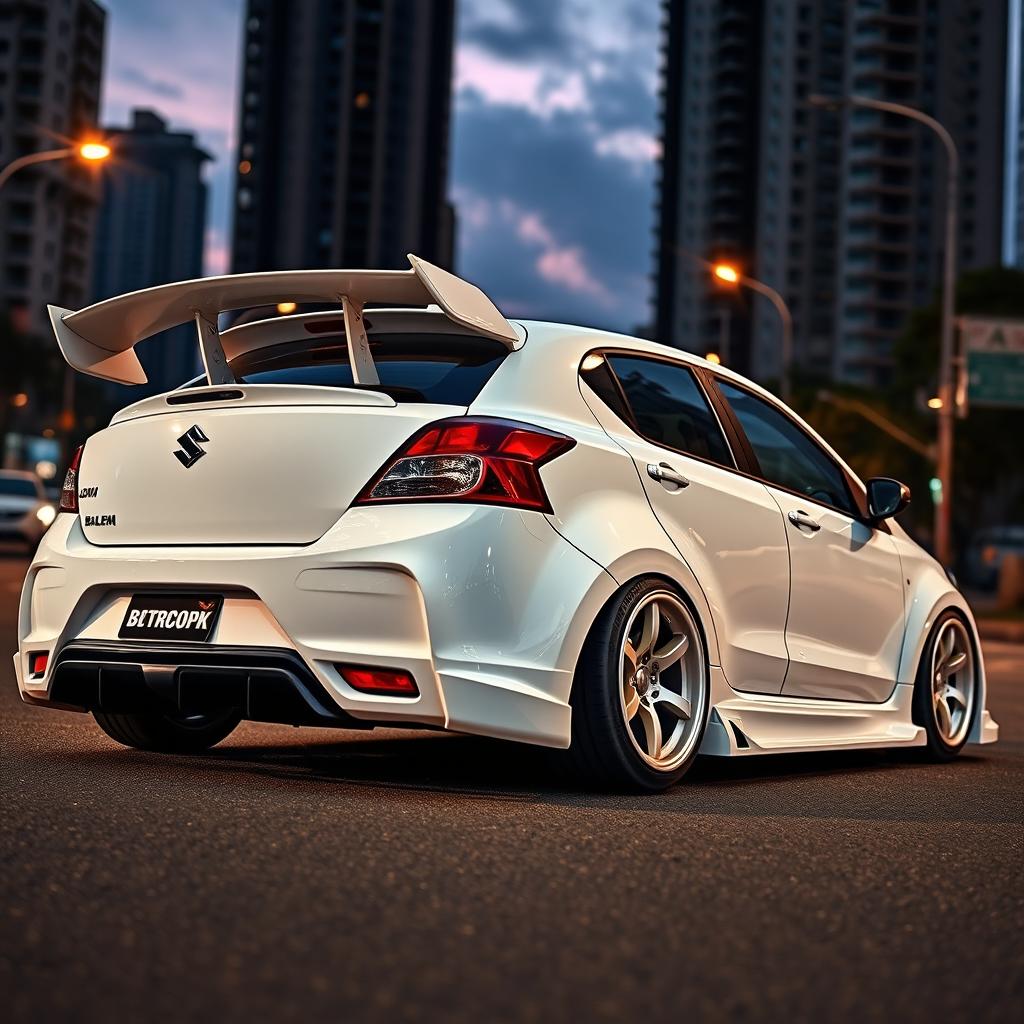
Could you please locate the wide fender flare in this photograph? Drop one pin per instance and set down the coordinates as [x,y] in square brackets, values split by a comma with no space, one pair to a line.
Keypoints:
[658,562]
[927,604]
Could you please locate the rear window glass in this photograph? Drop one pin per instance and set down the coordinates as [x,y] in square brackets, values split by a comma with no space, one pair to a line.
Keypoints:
[19,486]
[450,369]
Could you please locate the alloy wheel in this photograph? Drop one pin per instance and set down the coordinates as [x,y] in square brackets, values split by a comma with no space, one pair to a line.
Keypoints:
[953,681]
[661,674]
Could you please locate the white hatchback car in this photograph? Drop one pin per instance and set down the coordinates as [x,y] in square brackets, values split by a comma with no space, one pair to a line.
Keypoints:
[25,510]
[435,517]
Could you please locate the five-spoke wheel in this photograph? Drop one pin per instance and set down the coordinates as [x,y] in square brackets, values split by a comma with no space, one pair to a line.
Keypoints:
[662,673]
[953,681]
[947,686]
[640,698]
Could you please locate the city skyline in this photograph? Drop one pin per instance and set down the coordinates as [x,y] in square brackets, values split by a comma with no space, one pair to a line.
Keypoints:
[570,95]
[359,178]
[840,211]
[573,90]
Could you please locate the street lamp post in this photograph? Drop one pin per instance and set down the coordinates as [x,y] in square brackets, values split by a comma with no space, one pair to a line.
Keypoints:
[946,406]
[894,430]
[91,151]
[730,275]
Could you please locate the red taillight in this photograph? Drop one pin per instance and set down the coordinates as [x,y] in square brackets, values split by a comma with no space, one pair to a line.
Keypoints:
[69,492]
[481,460]
[381,681]
[37,663]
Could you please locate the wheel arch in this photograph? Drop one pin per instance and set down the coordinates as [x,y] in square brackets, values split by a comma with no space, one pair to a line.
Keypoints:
[668,566]
[622,582]
[925,609]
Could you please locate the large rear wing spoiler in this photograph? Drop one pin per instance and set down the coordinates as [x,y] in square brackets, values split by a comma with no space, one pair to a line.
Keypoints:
[100,340]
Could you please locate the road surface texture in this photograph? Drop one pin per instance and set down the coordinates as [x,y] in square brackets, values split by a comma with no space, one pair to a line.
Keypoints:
[321,876]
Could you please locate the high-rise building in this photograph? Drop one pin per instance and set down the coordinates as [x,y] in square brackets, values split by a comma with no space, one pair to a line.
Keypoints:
[51,58]
[150,228]
[840,211]
[710,120]
[1013,231]
[343,134]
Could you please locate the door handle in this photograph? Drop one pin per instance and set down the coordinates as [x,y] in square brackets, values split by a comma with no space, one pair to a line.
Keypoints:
[665,474]
[803,519]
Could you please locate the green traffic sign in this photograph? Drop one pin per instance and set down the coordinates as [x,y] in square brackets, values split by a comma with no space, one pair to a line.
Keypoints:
[995,378]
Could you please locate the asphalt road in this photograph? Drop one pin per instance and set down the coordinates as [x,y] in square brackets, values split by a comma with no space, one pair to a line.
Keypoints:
[315,876]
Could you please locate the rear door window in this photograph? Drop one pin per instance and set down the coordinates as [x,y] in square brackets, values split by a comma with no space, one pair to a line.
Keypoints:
[787,456]
[449,369]
[669,408]
[17,486]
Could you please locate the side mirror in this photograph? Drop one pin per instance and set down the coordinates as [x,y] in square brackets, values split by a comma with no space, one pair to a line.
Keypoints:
[886,497]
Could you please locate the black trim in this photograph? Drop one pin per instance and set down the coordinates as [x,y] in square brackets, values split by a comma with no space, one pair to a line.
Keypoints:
[742,453]
[265,684]
[192,398]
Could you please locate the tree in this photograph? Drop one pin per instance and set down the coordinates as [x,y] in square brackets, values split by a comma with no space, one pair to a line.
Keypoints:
[988,472]
[989,458]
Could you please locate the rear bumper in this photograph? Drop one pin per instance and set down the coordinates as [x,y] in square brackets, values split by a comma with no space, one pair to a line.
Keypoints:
[263,684]
[487,608]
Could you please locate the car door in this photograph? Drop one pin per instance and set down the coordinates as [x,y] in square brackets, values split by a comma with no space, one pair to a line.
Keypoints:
[725,525]
[846,606]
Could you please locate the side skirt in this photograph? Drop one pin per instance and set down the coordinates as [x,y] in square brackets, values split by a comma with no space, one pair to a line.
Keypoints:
[751,723]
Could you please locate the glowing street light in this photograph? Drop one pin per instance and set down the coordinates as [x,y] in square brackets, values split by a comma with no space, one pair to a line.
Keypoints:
[284,308]
[92,152]
[713,357]
[730,275]
[935,403]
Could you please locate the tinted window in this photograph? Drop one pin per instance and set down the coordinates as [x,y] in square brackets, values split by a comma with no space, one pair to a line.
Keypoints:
[19,486]
[788,457]
[670,409]
[446,368]
[600,378]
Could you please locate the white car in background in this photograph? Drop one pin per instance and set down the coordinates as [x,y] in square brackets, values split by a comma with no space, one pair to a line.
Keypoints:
[438,517]
[25,510]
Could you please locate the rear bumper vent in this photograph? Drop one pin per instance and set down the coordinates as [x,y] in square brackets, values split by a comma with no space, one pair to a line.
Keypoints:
[263,684]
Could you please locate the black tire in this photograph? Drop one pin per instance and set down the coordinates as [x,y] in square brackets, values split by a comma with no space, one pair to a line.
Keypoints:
[168,734]
[937,747]
[602,752]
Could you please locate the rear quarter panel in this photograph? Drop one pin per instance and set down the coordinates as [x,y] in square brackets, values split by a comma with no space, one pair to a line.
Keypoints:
[598,500]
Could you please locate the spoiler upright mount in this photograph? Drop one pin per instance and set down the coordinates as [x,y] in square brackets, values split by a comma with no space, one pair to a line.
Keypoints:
[100,339]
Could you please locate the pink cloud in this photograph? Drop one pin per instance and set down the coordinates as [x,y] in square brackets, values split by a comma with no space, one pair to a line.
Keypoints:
[216,255]
[635,146]
[559,264]
[541,90]
[568,268]
[530,228]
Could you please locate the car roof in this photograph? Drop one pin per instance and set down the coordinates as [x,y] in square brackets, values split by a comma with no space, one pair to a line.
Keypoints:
[549,332]
[549,346]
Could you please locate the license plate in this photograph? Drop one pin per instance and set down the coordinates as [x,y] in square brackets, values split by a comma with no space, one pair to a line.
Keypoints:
[171,617]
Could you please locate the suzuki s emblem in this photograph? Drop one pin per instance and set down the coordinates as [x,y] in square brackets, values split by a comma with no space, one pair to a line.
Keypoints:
[190,453]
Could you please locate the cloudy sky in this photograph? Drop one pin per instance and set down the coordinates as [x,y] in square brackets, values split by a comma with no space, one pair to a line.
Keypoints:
[553,142]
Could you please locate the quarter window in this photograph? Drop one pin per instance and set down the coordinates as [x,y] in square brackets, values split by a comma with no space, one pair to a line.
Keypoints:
[670,409]
[787,456]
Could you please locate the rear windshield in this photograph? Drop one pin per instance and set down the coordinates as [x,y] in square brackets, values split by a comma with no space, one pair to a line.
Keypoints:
[18,485]
[449,369]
